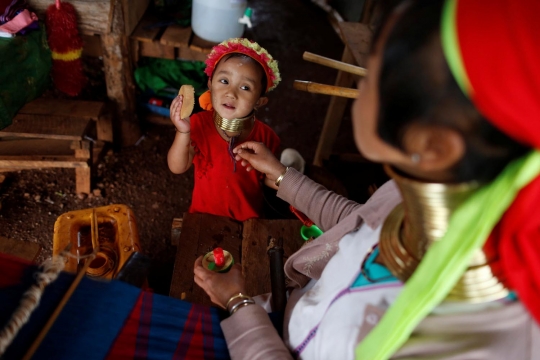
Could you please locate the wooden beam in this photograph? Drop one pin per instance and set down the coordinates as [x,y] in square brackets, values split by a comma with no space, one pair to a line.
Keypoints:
[324,89]
[119,78]
[29,164]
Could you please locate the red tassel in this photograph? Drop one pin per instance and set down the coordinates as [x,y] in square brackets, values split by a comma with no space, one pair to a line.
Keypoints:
[66,46]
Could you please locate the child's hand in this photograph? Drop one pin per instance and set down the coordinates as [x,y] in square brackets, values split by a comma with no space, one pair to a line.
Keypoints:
[256,155]
[182,125]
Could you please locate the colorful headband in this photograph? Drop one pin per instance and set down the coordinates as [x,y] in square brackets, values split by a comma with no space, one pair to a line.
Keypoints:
[249,48]
[492,51]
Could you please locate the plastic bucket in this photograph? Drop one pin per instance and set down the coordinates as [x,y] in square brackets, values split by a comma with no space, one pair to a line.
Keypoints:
[217,20]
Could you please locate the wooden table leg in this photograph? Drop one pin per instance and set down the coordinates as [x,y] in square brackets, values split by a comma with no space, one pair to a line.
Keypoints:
[83,175]
[334,114]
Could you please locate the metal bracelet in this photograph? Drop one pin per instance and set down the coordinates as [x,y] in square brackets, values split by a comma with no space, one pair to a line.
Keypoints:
[278,180]
[242,303]
[237,296]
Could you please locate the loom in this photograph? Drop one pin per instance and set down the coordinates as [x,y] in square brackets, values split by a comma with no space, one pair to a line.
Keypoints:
[117,239]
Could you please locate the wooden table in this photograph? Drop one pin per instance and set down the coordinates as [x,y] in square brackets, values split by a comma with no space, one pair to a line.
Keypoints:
[357,39]
[247,242]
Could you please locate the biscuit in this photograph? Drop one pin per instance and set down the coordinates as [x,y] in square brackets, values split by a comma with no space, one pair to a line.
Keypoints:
[188,92]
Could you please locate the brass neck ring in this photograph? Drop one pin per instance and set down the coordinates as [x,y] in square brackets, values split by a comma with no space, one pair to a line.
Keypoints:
[234,125]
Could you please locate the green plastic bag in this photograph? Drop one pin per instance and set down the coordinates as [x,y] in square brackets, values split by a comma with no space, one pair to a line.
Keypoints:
[164,77]
[25,67]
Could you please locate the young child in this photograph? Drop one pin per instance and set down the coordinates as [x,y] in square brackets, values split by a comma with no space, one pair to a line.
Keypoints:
[240,73]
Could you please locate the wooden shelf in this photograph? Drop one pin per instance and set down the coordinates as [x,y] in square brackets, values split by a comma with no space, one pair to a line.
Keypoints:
[170,41]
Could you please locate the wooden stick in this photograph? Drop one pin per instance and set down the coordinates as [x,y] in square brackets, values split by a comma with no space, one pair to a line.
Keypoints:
[325,89]
[334,64]
[94,231]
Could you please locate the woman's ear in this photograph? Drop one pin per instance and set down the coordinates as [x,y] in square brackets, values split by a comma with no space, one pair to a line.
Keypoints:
[433,149]
[263,100]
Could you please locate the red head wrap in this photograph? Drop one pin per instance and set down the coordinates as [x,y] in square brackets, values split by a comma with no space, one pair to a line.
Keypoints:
[494,54]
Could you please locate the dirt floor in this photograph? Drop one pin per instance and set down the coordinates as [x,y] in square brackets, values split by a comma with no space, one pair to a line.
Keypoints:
[138,176]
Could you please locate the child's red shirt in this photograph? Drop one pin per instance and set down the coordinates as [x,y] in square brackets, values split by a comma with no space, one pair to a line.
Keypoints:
[218,189]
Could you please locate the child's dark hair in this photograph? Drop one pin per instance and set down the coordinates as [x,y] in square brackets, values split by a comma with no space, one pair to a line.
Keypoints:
[416,86]
[264,80]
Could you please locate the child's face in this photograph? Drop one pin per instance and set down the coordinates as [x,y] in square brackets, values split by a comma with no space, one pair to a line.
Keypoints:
[236,87]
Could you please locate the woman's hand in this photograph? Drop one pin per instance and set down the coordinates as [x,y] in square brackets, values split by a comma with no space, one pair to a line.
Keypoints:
[219,286]
[182,125]
[256,155]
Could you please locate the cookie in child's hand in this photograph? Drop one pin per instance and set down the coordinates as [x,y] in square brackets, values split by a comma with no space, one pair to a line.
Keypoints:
[188,92]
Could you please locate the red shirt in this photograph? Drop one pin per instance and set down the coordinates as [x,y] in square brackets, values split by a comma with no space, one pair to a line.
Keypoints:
[218,189]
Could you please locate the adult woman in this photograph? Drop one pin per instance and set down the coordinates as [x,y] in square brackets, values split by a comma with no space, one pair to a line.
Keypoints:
[431,109]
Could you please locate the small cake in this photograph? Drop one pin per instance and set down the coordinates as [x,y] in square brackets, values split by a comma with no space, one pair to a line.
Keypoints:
[218,260]
[188,92]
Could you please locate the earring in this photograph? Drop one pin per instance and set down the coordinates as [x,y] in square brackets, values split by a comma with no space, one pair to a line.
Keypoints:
[415,158]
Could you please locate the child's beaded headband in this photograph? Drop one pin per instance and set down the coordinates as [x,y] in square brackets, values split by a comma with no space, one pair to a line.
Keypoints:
[249,48]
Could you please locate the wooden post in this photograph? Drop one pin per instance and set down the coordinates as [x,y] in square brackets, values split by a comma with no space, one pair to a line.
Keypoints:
[334,114]
[119,76]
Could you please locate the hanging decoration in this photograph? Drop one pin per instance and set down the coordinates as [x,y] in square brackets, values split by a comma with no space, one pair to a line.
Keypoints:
[66,47]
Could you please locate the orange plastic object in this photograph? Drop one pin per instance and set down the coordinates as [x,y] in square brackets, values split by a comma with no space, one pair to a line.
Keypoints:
[118,238]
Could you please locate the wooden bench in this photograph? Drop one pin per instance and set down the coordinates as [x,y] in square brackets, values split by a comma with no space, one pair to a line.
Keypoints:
[247,242]
[54,133]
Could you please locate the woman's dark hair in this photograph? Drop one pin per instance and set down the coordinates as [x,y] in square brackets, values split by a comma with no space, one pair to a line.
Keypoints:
[416,86]
[264,80]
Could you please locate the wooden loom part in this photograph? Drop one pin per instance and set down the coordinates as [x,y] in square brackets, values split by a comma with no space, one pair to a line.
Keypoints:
[325,89]
[334,64]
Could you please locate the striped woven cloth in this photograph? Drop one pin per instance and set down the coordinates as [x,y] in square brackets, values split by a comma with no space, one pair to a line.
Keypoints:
[109,320]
